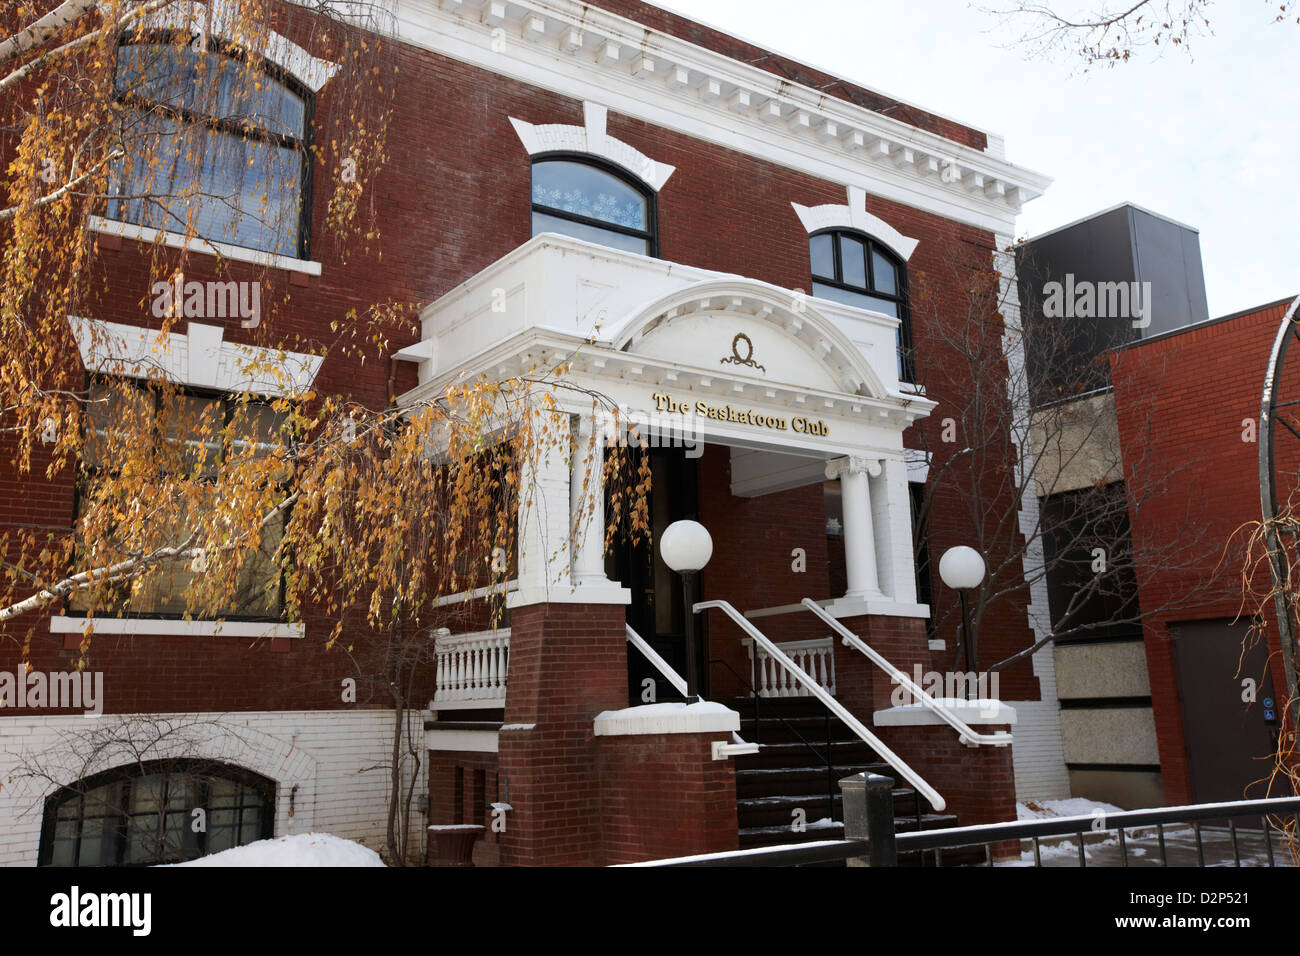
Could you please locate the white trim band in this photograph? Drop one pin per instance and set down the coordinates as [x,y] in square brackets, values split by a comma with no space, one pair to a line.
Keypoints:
[156,627]
[224,250]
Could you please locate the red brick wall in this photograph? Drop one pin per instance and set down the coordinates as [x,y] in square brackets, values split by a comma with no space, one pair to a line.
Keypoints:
[1181,401]
[461,788]
[663,795]
[753,563]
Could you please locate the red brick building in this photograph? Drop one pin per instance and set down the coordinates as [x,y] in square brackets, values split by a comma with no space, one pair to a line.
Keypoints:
[1190,399]
[702,223]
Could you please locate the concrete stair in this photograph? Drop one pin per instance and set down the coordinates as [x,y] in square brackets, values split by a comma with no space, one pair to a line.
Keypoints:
[789,774]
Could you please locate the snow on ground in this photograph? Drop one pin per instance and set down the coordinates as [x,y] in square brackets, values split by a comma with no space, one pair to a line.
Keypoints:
[1073,807]
[299,849]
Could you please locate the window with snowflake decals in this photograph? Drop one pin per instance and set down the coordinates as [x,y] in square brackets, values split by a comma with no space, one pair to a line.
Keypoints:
[592,201]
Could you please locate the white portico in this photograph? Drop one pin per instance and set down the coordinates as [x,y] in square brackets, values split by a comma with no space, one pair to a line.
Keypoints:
[799,389]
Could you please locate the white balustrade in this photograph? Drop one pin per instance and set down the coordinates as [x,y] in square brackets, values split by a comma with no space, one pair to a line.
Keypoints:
[816,657]
[473,667]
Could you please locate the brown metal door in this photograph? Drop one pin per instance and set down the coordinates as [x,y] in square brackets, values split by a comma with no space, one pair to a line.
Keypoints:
[1230,739]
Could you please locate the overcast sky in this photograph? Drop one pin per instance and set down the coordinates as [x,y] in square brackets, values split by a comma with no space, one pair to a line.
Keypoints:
[1212,141]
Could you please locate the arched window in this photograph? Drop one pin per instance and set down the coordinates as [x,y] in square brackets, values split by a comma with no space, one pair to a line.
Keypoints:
[144,814]
[592,200]
[213,143]
[854,269]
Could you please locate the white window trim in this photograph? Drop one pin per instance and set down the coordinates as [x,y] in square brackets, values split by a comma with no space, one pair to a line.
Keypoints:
[854,215]
[223,250]
[198,357]
[194,17]
[591,138]
[161,627]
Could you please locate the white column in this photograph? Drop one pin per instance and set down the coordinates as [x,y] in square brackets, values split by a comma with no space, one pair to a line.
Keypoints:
[587,505]
[895,553]
[859,540]
[544,564]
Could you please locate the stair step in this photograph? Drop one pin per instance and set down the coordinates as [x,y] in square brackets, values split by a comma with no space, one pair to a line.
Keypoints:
[778,810]
[825,829]
[796,754]
[784,781]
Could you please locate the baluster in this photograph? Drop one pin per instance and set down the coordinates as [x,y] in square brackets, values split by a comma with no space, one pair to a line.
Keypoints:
[438,680]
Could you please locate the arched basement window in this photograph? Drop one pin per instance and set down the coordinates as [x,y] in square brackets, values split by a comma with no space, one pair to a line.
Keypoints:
[852,268]
[214,143]
[144,814]
[588,199]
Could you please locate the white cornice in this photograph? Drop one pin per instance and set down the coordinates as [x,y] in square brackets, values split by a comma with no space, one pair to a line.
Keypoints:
[590,54]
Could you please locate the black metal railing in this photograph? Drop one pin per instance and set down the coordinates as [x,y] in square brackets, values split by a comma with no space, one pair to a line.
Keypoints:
[1270,813]
[870,839]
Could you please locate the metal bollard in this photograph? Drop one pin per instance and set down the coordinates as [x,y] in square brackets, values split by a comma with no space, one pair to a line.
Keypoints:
[869,815]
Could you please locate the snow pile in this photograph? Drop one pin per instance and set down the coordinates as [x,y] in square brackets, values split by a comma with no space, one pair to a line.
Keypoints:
[670,709]
[1073,807]
[299,849]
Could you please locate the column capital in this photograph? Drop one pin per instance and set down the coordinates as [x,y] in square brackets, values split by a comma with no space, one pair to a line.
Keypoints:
[854,465]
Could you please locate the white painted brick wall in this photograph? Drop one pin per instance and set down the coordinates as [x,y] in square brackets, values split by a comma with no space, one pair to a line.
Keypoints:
[338,761]
[1037,754]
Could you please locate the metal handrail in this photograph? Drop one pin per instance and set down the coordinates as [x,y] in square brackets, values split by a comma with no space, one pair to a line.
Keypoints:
[834,706]
[674,678]
[968,734]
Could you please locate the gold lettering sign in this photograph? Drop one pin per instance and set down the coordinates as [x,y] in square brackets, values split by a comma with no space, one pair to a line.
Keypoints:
[737,416]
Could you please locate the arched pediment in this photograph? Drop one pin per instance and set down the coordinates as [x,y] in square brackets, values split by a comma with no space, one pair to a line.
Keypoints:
[751,329]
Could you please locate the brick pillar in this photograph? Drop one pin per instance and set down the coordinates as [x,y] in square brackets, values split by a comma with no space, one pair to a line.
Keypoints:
[663,795]
[568,662]
[978,783]
[860,685]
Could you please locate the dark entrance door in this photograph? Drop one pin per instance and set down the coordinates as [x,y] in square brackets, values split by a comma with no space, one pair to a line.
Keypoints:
[658,611]
[1229,740]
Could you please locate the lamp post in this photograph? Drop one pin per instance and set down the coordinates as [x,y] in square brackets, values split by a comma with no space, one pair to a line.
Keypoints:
[686,547]
[962,569]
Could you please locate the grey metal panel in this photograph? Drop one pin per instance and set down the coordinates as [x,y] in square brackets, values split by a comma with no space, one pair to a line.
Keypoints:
[1169,257]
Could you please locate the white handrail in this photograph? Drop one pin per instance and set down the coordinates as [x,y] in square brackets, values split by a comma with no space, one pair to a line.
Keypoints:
[968,734]
[834,706]
[674,678]
[505,587]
